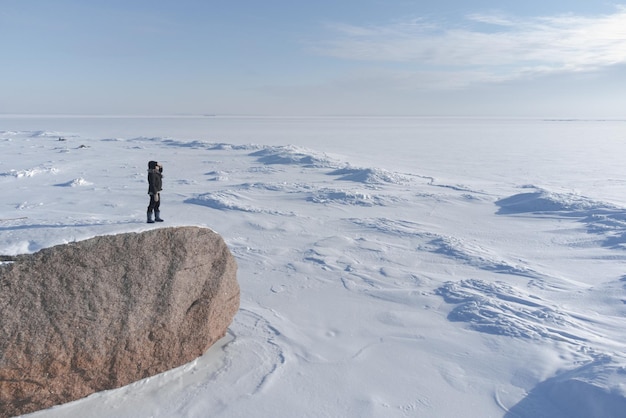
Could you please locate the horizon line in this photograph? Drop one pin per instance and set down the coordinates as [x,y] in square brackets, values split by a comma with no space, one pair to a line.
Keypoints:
[303,116]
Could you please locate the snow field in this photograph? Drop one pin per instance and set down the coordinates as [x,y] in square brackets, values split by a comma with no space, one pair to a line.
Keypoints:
[365,291]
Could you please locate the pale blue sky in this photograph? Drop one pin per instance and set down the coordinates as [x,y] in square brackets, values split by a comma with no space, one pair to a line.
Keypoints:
[323,57]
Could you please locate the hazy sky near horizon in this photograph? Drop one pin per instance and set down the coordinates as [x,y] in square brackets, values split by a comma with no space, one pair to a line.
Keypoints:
[562,58]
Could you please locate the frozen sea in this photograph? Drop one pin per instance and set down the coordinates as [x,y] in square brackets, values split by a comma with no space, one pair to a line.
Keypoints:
[546,151]
[389,266]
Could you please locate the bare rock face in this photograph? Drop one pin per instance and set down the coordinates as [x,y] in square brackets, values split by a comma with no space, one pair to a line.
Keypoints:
[101,313]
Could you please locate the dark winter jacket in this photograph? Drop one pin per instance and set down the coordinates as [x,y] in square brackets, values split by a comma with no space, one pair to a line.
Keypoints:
[155,181]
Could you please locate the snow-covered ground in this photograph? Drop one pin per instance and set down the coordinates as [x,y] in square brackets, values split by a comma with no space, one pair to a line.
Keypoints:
[389,267]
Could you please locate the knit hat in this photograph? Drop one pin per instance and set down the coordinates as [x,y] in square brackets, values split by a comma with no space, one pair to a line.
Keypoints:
[152,165]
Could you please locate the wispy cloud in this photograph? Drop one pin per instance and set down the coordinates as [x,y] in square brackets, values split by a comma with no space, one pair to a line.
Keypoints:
[486,47]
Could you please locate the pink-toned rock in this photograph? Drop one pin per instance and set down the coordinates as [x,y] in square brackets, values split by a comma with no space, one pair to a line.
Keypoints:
[101,313]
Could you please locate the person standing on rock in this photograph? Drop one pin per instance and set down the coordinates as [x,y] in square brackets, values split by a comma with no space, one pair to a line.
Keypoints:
[155,182]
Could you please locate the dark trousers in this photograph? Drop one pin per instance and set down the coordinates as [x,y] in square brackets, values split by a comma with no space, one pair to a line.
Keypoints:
[154,204]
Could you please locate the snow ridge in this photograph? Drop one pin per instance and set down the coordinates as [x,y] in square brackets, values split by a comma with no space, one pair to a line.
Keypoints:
[600,218]
[500,309]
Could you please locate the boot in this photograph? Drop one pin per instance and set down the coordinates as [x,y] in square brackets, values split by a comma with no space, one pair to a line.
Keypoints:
[150,221]
[157,216]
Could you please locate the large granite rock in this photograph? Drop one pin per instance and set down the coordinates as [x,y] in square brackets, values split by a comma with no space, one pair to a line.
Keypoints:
[101,313]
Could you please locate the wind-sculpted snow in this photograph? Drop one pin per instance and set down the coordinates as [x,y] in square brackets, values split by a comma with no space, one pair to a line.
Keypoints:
[498,308]
[33,134]
[29,172]
[477,256]
[75,183]
[594,390]
[348,197]
[290,155]
[269,354]
[365,291]
[599,217]
[402,228]
[230,200]
[369,175]
[293,155]
[543,201]
[207,145]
